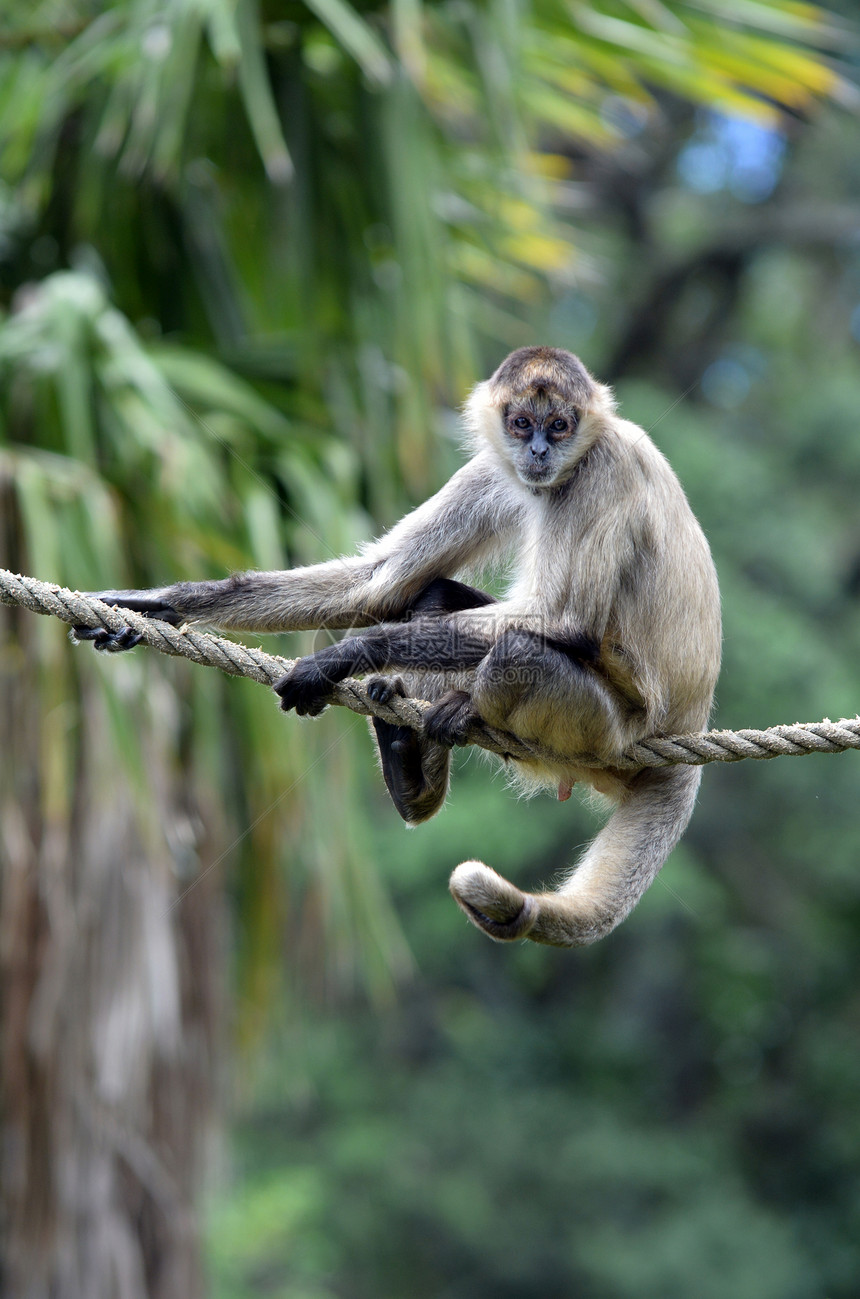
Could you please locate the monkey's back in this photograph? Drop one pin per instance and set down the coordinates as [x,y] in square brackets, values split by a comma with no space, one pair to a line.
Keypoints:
[666,606]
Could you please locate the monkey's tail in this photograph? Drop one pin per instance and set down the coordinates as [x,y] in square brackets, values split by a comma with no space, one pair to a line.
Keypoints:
[606,884]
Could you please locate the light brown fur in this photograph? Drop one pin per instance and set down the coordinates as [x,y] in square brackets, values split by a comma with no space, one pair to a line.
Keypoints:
[605,547]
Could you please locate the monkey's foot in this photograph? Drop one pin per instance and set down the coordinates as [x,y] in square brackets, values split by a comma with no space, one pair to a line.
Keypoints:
[492,903]
[108,642]
[305,688]
[113,642]
[448,721]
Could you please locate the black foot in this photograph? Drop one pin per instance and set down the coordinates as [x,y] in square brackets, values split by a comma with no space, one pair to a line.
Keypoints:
[109,642]
[112,642]
[448,721]
[383,689]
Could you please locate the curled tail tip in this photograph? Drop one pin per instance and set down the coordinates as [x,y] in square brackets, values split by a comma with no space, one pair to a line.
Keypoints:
[492,903]
[505,913]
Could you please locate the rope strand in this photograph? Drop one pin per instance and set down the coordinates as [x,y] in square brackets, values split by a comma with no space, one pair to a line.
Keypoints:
[244,661]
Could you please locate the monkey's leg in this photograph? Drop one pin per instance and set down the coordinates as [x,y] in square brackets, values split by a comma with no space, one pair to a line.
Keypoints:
[524,672]
[448,721]
[549,688]
[414,769]
[445,595]
[441,596]
[255,599]
[333,594]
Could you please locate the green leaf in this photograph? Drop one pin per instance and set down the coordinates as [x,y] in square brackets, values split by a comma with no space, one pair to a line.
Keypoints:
[356,36]
[257,95]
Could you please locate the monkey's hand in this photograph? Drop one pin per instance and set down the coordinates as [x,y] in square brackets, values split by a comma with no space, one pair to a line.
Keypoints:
[448,721]
[307,687]
[113,642]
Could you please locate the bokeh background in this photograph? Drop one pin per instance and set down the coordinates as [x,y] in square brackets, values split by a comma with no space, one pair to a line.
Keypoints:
[252,255]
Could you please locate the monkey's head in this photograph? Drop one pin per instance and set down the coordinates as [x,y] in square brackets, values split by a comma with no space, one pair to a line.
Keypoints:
[540,412]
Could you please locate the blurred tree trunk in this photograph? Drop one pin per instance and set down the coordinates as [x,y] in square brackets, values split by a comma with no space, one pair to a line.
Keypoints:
[108,1004]
[118,778]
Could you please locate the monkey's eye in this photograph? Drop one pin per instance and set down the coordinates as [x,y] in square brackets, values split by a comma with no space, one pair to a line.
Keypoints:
[522,422]
[558,425]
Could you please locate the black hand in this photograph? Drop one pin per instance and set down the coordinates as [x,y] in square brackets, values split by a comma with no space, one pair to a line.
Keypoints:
[306,688]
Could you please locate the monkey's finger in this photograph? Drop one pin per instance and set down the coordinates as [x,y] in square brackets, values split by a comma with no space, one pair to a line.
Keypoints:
[381,689]
[117,641]
[285,687]
[492,903]
[311,708]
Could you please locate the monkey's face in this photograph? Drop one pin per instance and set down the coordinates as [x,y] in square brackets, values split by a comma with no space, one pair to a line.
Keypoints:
[540,412]
[540,431]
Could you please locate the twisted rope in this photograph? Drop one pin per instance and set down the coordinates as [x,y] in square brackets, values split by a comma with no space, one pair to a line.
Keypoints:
[244,661]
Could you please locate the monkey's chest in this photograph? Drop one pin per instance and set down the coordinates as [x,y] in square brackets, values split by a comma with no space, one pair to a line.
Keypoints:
[558,587]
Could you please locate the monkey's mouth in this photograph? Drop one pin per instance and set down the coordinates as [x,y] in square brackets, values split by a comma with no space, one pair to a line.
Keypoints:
[537,475]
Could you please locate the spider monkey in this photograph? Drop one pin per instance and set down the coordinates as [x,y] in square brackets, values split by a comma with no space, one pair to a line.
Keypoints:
[609,631]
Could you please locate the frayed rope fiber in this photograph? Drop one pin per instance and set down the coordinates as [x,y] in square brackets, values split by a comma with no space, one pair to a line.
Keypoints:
[244,661]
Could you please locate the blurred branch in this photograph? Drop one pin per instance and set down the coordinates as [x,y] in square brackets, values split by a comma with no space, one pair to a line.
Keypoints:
[803,225]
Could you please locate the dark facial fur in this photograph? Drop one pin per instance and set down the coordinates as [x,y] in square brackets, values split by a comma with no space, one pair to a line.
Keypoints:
[542,395]
[538,425]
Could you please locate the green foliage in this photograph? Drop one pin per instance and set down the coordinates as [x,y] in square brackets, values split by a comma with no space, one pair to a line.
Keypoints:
[127,466]
[415,183]
[672,1112]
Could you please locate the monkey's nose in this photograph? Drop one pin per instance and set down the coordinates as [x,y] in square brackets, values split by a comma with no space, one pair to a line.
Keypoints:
[540,452]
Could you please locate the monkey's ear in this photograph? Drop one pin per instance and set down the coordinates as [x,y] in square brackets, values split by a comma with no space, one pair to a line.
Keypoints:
[482,417]
[602,400]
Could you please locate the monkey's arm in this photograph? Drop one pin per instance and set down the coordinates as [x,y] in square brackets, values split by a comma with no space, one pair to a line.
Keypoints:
[463,523]
[439,644]
[436,643]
